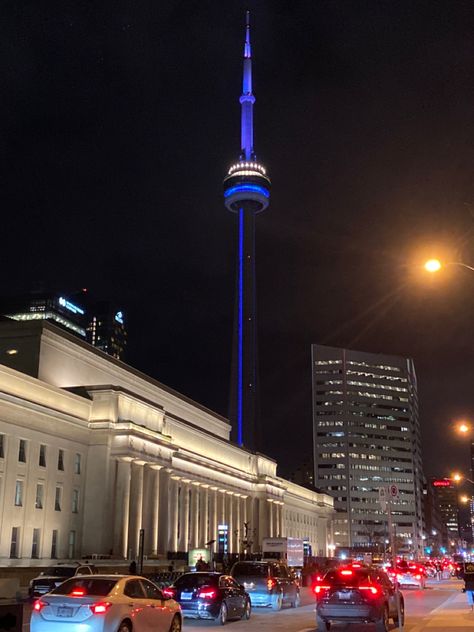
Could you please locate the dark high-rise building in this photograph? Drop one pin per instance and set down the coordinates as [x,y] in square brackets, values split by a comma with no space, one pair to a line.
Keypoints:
[246,193]
[99,322]
[446,499]
[367,436]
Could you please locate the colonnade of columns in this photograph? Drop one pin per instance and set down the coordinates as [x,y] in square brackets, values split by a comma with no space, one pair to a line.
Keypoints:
[179,514]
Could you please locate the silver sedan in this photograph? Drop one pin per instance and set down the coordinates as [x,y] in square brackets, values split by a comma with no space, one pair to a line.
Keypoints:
[106,603]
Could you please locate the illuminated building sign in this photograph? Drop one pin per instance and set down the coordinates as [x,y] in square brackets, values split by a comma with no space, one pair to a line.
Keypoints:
[75,309]
[119,317]
[223,538]
[445,482]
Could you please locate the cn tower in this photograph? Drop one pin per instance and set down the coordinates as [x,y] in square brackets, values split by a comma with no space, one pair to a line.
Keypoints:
[246,193]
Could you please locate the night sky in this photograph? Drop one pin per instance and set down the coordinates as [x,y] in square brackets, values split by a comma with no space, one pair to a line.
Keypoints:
[118,121]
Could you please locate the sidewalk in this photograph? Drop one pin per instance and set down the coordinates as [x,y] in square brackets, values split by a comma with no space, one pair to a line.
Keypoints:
[453,614]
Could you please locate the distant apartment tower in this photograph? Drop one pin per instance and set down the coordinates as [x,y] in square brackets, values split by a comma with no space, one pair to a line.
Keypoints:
[446,499]
[99,322]
[366,435]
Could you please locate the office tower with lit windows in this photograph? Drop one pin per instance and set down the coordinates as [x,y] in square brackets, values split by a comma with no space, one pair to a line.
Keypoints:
[100,323]
[446,495]
[246,194]
[366,436]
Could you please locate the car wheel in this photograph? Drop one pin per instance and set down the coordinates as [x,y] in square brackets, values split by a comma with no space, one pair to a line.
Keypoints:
[382,624]
[277,601]
[322,625]
[296,602]
[247,610]
[125,627]
[222,616]
[175,624]
[402,615]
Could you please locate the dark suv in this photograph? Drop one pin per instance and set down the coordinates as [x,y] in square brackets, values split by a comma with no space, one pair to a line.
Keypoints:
[268,583]
[53,576]
[357,595]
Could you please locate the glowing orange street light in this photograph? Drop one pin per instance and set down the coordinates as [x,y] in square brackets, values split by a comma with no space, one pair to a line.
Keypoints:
[457,478]
[432,265]
[464,499]
[463,428]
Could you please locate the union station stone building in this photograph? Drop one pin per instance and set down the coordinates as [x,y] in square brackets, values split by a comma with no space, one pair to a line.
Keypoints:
[92,450]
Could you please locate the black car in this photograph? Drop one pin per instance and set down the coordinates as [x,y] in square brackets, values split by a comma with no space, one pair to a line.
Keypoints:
[53,576]
[269,583]
[209,595]
[357,595]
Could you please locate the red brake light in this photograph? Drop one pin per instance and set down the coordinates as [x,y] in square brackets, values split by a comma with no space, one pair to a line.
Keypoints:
[39,605]
[271,583]
[169,592]
[373,591]
[319,588]
[417,576]
[100,608]
[346,572]
[77,592]
[356,565]
[207,594]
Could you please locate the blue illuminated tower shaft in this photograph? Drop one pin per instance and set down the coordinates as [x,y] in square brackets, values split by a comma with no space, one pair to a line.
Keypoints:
[246,193]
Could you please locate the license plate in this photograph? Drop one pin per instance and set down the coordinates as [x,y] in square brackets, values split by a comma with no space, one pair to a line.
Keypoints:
[65,612]
[345,595]
[186,596]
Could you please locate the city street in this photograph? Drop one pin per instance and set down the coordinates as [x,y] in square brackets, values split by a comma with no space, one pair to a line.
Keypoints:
[442,607]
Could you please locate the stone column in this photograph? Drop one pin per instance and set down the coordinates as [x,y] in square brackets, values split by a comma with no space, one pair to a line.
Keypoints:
[174,514]
[164,519]
[220,507]
[238,526]
[194,526]
[203,516]
[270,518]
[122,504]
[213,514]
[136,505]
[230,520]
[152,517]
[184,517]
[281,521]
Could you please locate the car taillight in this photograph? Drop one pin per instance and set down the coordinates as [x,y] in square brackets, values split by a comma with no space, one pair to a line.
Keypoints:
[207,594]
[271,583]
[39,605]
[100,608]
[319,589]
[77,592]
[346,572]
[372,591]
[417,576]
[169,592]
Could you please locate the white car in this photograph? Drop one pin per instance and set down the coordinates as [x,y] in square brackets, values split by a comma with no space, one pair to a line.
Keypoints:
[106,603]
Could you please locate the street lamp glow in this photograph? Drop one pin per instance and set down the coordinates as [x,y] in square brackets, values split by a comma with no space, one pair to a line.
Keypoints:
[463,427]
[457,477]
[464,499]
[433,265]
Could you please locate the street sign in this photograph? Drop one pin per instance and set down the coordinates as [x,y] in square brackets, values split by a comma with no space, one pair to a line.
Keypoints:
[394,493]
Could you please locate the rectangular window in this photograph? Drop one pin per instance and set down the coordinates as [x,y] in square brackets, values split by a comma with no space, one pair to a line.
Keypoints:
[19,494]
[14,542]
[39,496]
[35,544]
[57,499]
[42,456]
[72,545]
[2,446]
[61,460]
[22,451]
[54,544]
[75,501]
[77,464]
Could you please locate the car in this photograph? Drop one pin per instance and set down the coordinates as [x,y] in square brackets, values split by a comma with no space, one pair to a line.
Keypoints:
[210,595]
[106,603]
[408,574]
[53,576]
[268,583]
[358,595]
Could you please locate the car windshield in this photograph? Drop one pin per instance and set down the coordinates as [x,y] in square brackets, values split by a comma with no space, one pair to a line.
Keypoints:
[346,577]
[60,571]
[246,569]
[196,580]
[82,586]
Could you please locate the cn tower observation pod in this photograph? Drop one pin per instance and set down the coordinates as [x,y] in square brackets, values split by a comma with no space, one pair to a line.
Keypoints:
[247,186]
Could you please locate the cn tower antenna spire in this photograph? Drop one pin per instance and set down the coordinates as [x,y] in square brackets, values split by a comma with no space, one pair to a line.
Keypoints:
[247,99]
